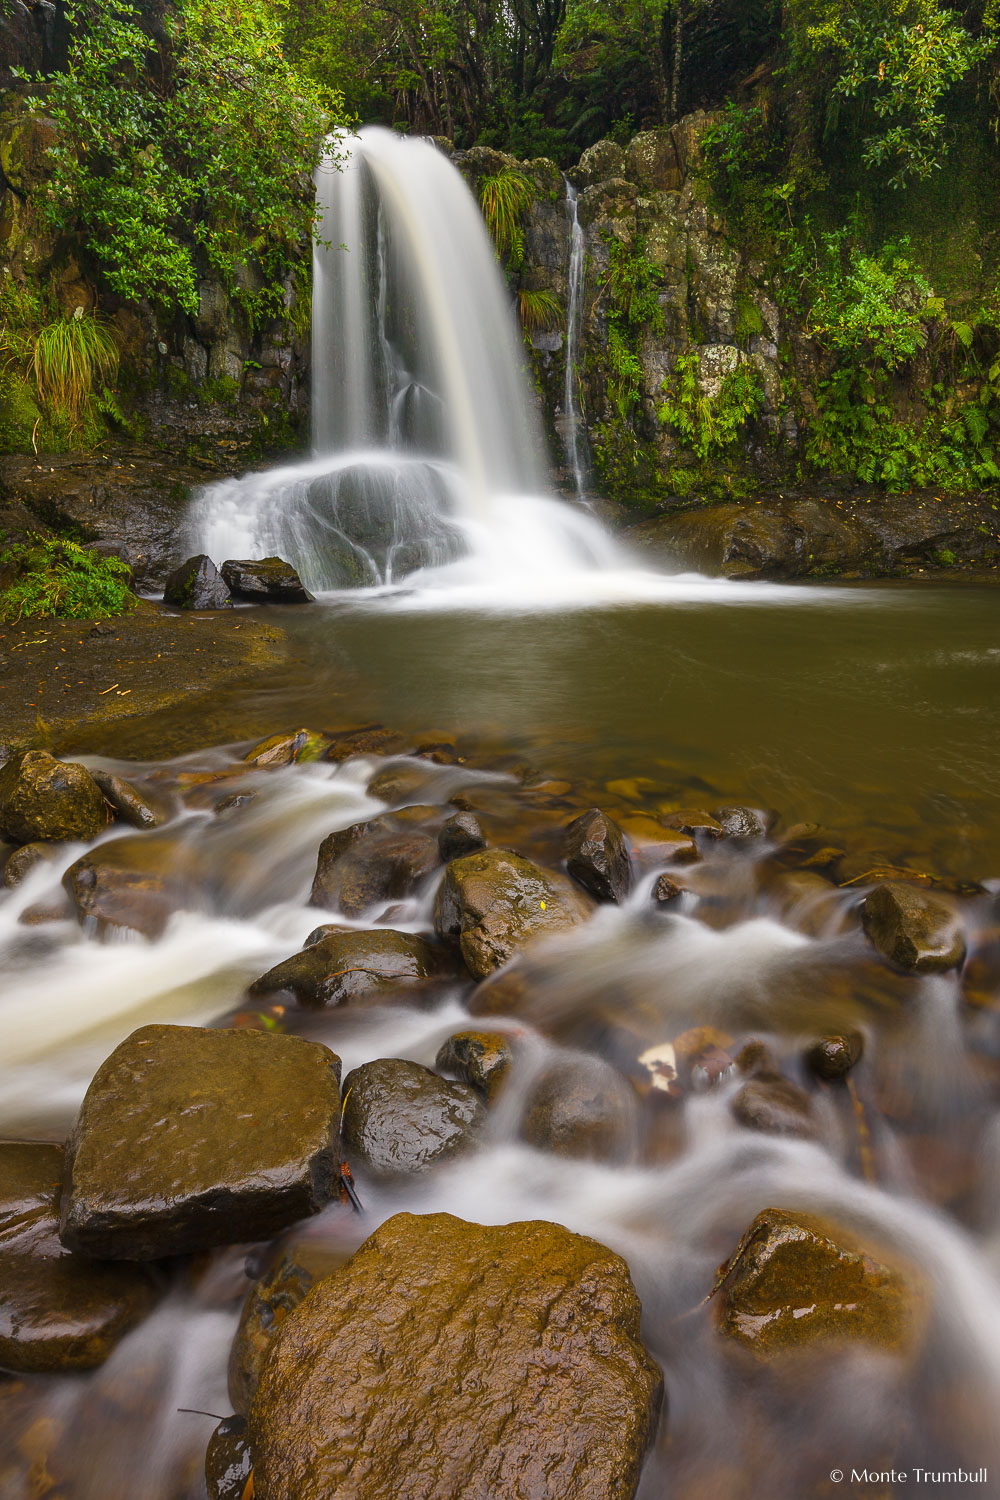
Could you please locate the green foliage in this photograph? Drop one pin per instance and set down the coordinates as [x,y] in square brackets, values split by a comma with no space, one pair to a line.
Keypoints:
[505,198]
[55,576]
[710,425]
[72,358]
[538,311]
[630,284]
[867,307]
[210,137]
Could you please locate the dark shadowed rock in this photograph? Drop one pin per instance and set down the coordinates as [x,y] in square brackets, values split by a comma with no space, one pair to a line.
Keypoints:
[326,882]
[400,1117]
[359,867]
[131,805]
[29,857]
[58,1311]
[278,1292]
[833,1057]
[460,835]
[795,1280]
[911,928]
[197,584]
[480,1058]
[775,1105]
[666,890]
[228,1464]
[493,903]
[267,581]
[348,967]
[188,1138]
[45,798]
[597,856]
[582,1106]
[447,1359]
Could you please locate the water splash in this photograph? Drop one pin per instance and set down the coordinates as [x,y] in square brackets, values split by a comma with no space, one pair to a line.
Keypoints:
[574,430]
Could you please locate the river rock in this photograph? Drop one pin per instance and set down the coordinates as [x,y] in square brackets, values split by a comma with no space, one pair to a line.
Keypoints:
[597,856]
[832,1057]
[131,805]
[267,581]
[197,584]
[795,1279]
[58,1311]
[348,967]
[582,1106]
[693,821]
[480,1058]
[365,739]
[912,929]
[368,863]
[775,1105]
[447,1359]
[278,1292]
[741,822]
[459,836]
[301,746]
[188,1138]
[405,781]
[19,864]
[228,1464]
[400,1117]
[666,891]
[45,798]
[493,903]
[131,883]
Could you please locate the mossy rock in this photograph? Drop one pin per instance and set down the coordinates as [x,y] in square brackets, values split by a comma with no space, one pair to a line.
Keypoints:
[45,798]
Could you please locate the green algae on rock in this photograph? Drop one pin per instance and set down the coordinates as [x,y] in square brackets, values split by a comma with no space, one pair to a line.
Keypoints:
[45,798]
[374,1386]
[188,1138]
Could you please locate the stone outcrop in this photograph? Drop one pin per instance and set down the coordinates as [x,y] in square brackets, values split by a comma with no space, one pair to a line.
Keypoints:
[197,584]
[269,580]
[188,1138]
[448,1359]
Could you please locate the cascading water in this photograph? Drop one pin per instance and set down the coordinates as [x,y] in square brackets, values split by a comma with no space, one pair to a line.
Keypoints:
[574,431]
[428,449]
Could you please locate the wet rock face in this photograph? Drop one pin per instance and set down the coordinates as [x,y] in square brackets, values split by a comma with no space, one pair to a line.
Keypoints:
[188,1138]
[58,1312]
[131,805]
[45,798]
[582,1107]
[269,581]
[128,883]
[832,1057]
[400,1117]
[227,1461]
[347,967]
[597,856]
[23,861]
[794,1280]
[460,835]
[374,1387]
[492,903]
[268,1303]
[913,929]
[359,867]
[197,584]
[480,1058]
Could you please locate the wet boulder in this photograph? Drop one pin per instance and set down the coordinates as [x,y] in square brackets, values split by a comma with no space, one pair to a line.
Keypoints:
[597,856]
[694,821]
[775,1105]
[278,1292]
[58,1311]
[795,1280]
[401,1117]
[347,967]
[741,822]
[188,1138]
[301,746]
[582,1106]
[228,1464]
[197,584]
[912,929]
[49,799]
[462,834]
[493,903]
[25,860]
[480,1058]
[359,867]
[666,891]
[447,1359]
[130,804]
[402,781]
[131,883]
[832,1057]
[270,580]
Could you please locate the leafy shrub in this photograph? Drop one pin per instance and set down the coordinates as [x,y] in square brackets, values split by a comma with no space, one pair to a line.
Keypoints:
[505,198]
[538,310]
[54,576]
[710,424]
[634,309]
[72,358]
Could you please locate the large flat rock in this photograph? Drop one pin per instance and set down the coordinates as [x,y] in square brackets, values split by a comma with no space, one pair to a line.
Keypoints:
[446,1359]
[188,1138]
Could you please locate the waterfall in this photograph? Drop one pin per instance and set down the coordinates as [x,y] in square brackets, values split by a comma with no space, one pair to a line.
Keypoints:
[574,432]
[428,453]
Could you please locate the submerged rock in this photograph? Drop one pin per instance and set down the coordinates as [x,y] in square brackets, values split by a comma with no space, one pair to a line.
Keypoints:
[741,822]
[775,1105]
[278,1292]
[597,856]
[197,584]
[492,903]
[348,967]
[270,580]
[400,1117]
[368,863]
[131,805]
[582,1106]
[693,821]
[447,1359]
[460,835]
[58,1311]
[480,1058]
[49,799]
[795,1280]
[130,883]
[913,929]
[188,1138]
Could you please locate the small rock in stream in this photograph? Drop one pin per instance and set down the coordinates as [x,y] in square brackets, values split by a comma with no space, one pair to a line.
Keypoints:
[666,891]
[29,857]
[131,805]
[368,863]
[197,584]
[446,1359]
[582,1106]
[228,1464]
[49,799]
[480,1058]
[188,1138]
[462,834]
[693,821]
[400,1117]
[278,1292]
[269,580]
[131,883]
[741,822]
[912,929]
[299,747]
[832,1057]
[775,1105]
[597,856]
[342,966]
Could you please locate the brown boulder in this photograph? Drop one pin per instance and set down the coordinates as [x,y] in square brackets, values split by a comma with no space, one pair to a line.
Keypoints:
[368,863]
[401,1117]
[342,966]
[480,1058]
[45,798]
[913,929]
[135,883]
[582,1106]
[597,856]
[447,1359]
